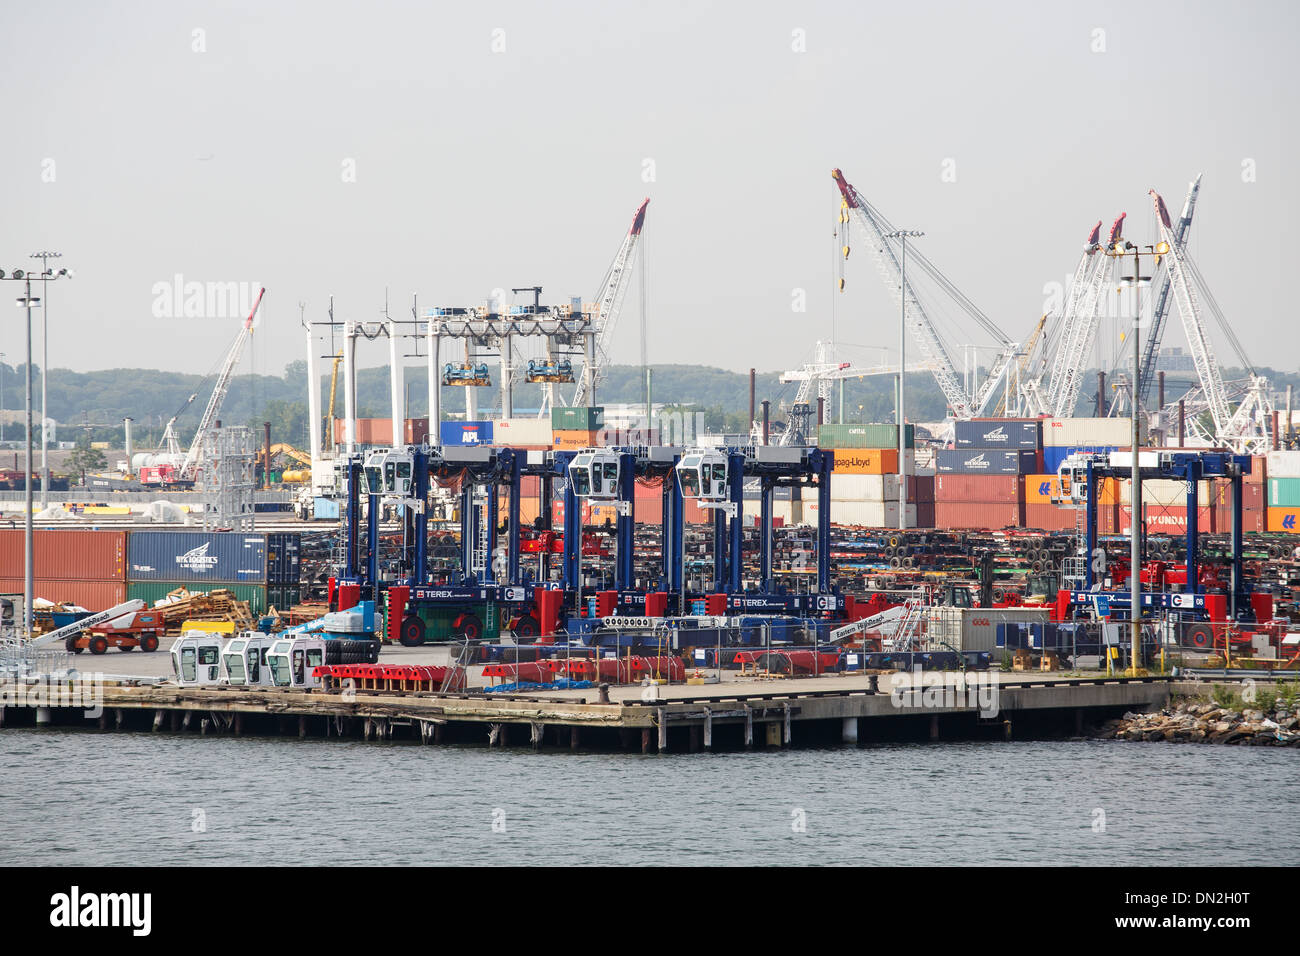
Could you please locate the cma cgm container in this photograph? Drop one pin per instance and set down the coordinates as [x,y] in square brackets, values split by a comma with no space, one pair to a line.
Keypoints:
[66,555]
[1003,433]
[863,436]
[985,461]
[225,557]
[465,433]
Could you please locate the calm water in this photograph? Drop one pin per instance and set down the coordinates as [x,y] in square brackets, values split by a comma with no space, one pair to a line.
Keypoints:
[126,798]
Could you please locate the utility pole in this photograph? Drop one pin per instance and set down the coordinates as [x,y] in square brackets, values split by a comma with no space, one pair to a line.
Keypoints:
[45,370]
[1121,249]
[902,235]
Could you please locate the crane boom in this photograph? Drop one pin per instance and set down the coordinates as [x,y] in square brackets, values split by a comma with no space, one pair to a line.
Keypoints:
[1147,373]
[613,289]
[219,389]
[1082,332]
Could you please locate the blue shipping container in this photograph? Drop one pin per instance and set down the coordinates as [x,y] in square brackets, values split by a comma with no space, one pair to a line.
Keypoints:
[985,461]
[325,509]
[283,558]
[465,433]
[222,557]
[1008,434]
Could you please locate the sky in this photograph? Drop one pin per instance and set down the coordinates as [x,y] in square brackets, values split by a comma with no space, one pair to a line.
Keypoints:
[444,150]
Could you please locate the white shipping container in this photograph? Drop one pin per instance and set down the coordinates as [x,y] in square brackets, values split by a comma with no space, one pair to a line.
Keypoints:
[869,514]
[1165,491]
[1087,432]
[521,431]
[1283,464]
[864,488]
[974,628]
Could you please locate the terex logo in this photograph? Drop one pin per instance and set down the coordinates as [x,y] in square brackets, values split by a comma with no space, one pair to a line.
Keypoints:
[998,434]
[197,560]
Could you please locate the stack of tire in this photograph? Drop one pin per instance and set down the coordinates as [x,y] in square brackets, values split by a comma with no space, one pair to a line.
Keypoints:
[340,650]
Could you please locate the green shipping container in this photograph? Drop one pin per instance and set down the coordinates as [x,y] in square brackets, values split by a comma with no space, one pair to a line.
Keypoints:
[283,596]
[151,591]
[581,418]
[1284,492]
[863,436]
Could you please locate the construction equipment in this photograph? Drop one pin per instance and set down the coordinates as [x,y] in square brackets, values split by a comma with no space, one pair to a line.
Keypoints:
[547,370]
[879,233]
[142,629]
[613,289]
[466,374]
[329,416]
[76,627]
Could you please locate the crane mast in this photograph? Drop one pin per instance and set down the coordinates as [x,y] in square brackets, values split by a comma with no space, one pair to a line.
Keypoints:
[1081,332]
[219,389]
[610,302]
[1181,229]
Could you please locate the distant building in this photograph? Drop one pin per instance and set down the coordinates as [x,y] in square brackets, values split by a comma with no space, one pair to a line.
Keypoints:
[1174,360]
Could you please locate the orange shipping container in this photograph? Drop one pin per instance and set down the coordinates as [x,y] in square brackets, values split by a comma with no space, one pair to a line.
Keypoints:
[866,461]
[1040,489]
[1284,519]
[72,555]
[569,440]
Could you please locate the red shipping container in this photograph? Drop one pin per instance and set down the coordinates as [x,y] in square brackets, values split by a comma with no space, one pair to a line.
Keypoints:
[924,514]
[1253,520]
[976,514]
[92,595]
[74,555]
[1002,489]
[1049,517]
[920,488]
[1170,519]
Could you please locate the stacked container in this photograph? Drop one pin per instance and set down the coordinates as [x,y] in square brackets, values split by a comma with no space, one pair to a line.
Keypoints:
[1282,473]
[199,561]
[379,431]
[578,427]
[865,479]
[87,568]
[1063,437]
[522,432]
[465,433]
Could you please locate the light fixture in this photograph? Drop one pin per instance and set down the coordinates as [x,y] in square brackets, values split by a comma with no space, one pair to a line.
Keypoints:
[18,273]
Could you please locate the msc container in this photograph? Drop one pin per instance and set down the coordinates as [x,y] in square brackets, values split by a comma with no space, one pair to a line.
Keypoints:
[220,556]
[1002,433]
[863,436]
[580,418]
[1002,489]
[65,555]
[92,595]
[985,461]
[522,431]
[974,628]
[152,592]
[1087,432]
[977,514]
[283,558]
[465,433]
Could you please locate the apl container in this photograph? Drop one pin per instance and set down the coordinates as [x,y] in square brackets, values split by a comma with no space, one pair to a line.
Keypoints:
[465,433]
[1006,433]
[225,557]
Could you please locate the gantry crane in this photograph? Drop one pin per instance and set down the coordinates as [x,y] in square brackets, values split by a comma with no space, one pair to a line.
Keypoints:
[1022,366]
[878,230]
[1181,229]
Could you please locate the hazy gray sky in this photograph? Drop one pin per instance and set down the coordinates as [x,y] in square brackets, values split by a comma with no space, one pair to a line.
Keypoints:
[498,145]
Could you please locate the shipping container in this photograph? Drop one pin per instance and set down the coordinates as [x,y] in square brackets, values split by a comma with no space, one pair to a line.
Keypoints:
[521,431]
[977,514]
[1167,491]
[1003,489]
[850,487]
[1283,464]
[1009,433]
[1049,517]
[1253,520]
[379,431]
[985,461]
[92,595]
[283,558]
[920,488]
[863,436]
[1258,470]
[1284,520]
[1087,432]
[1168,519]
[152,592]
[66,555]
[1283,492]
[869,461]
[283,596]
[579,418]
[325,509]
[1054,455]
[867,514]
[220,556]
[1041,489]
[974,628]
[570,440]
[465,433]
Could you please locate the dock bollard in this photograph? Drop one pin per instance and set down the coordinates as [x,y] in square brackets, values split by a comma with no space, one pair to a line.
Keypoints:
[849,733]
[873,685]
[42,716]
[604,694]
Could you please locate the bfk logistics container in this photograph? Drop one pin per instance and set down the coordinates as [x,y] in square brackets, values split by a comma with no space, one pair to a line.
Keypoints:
[208,556]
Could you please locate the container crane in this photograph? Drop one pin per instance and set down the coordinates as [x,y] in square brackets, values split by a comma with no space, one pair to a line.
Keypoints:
[613,290]
[1022,366]
[877,228]
[1181,229]
[189,469]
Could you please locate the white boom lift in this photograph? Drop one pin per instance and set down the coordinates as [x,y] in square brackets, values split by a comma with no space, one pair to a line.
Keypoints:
[94,620]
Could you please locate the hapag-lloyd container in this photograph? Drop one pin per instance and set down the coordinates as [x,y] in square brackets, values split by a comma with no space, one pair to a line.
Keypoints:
[1002,433]
[71,555]
[224,557]
[985,461]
